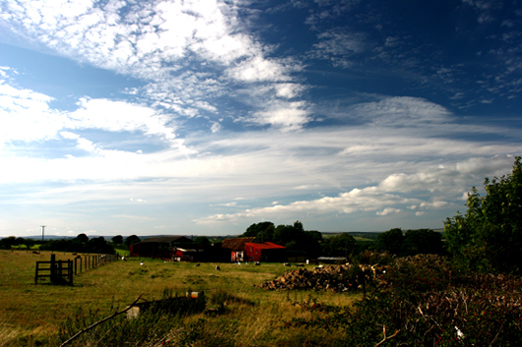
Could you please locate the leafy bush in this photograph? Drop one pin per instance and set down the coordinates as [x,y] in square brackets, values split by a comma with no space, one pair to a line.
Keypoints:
[489,236]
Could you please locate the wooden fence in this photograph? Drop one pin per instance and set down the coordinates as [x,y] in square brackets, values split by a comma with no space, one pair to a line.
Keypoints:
[62,271]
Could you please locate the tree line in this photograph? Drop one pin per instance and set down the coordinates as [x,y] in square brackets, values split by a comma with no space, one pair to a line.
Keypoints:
[295,237]
[80,244]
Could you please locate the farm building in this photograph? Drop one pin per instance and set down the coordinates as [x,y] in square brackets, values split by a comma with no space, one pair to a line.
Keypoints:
[237,247]
[163,247]
[295,256]
[198,253]
[265,251]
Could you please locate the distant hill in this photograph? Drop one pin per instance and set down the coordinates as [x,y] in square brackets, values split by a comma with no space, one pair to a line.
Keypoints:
[46,237]
[360,235]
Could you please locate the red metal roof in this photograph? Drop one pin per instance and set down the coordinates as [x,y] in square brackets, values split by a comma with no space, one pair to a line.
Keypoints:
[237,244]
[264,245]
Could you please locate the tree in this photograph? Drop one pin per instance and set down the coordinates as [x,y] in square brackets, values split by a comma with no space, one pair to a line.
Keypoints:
[286,233]
[117,240]
[202,241]
[341,245]
[8,242]
[130,240]
[29,243]
[294,237]
[391,240]
[82,238]
[99,245]
[423,241]
[489,235]
[263,231]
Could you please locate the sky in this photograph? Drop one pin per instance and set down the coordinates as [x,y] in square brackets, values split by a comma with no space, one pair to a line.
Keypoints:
[202,117]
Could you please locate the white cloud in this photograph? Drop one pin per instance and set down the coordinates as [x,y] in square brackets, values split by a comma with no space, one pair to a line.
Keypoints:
[339,47]
[402,111]
[157,41]
[385,198]
[25,115]
[82,143]
[367,199]
[259,69]
[118,116]
[387,211]
[284,115]
[288,90]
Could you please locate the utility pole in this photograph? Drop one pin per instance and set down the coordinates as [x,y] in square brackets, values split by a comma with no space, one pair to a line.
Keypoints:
[43,229]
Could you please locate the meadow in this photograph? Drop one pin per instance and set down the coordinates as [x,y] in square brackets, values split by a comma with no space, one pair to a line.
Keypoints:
[421,300]
[44,314]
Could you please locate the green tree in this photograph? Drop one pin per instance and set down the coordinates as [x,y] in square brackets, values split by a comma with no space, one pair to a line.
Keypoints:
[82,238]
[202,240]
[29,243]
[130,240]
[8,242]
[294,237]
[391,241]
[298,225]
[99,245]
[263,231]
[286,233]
[489,235]
[117,240]
[422,241]
[341,245]
[20,241]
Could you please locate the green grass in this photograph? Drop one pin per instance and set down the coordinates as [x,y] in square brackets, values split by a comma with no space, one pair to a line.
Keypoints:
[122,252]
[32,313]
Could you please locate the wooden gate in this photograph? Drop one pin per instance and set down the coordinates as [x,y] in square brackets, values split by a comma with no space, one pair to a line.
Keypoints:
[58,271]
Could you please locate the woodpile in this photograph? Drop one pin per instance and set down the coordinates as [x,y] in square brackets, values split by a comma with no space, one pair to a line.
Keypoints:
[338,278]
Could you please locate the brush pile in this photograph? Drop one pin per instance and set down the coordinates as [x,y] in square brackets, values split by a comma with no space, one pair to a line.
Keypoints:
[338,278]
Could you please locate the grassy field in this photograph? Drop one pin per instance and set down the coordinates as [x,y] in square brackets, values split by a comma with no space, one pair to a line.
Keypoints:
[32,315]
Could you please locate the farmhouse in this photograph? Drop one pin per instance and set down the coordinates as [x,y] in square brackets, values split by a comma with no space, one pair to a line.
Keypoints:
[163,247]
[265,251]
[237,247]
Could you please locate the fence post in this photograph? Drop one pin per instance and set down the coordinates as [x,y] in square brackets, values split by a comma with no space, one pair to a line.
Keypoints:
[53,268]
[59,275]
[69,262]
[36,274]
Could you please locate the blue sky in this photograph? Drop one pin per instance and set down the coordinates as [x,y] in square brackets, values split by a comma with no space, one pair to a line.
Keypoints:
[203,117]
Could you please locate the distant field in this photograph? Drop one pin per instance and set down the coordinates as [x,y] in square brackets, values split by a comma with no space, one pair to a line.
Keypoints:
[31,313]
[358,235]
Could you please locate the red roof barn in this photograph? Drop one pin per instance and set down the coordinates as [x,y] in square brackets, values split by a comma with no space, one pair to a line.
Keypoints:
[265,251]
[237,247]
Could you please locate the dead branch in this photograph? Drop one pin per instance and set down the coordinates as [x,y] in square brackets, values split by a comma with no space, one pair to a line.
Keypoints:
[386,338]
[426,333]
[99,322]
[497,335]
